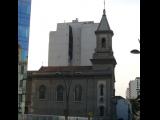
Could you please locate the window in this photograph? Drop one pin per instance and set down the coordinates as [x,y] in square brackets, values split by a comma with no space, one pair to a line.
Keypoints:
[20,98]
[60,93]
[101,100]
[21,84]
[101,110]
[26,32]
[28,9]
[42,92]
[22,69]
[101,90]
[78,93]
[103,43]
[26,110]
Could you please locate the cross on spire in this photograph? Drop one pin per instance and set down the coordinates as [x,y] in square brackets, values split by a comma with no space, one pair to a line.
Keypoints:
[104,11]
[104,4]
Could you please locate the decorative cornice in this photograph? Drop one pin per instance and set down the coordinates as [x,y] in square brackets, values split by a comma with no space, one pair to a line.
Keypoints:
[93,73]
[105,31]
[104,61]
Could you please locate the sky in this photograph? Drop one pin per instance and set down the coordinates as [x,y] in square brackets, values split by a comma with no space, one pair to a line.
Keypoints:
[123,17]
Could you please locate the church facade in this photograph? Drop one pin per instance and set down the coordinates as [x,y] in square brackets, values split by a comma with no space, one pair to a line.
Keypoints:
[77,90]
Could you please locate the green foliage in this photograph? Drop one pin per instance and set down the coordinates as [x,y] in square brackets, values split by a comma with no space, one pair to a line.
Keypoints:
[135,107]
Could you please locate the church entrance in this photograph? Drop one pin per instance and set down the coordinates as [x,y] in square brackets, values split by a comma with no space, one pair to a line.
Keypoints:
[101,110]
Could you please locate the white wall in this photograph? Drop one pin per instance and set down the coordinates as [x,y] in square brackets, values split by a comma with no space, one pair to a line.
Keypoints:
[127,93]
[84,43]
[133,91]
[58,46]
[88,43]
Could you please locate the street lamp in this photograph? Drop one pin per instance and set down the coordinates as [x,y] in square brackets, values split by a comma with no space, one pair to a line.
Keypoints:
[135,51]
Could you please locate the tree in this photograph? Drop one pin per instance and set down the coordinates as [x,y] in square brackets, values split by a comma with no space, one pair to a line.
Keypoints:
[67,85]
[67,91]
[90,114]
[135,108]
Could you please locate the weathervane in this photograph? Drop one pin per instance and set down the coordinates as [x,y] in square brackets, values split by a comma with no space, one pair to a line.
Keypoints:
[104,4]
[104,11]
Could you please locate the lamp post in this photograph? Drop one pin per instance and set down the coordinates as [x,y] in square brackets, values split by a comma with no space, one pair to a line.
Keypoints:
[135,51]
[137,101]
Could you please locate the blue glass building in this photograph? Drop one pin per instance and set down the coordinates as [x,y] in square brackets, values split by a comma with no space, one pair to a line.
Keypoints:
[24,10]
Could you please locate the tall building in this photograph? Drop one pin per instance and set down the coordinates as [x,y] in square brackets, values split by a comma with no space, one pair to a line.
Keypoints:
[72,44]
[134,89]
[77,90]
[127,93]
[24,9]
[19,53]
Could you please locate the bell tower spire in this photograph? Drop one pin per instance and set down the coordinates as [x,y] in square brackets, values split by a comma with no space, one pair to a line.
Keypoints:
[104,25]
[103,54]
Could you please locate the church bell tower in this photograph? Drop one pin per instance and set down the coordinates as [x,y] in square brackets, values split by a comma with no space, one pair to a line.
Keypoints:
[103,56]
[104,61]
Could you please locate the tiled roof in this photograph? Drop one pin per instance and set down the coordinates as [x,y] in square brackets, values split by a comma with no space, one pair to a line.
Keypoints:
[103,25]
[64,68]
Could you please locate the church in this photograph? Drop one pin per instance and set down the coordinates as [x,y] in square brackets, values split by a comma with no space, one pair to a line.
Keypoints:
[77,90]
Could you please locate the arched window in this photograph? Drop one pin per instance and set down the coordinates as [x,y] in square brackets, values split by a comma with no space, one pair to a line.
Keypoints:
[103,43]
[78,93]
[101,90]
[101,100]
[42,92]
[60,93]
[101,110]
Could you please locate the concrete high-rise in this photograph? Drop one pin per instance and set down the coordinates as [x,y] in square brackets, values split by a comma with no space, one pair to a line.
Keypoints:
[134,89]
[72,44]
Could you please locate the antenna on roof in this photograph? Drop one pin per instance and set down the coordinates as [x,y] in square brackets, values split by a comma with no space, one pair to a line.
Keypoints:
[104,11]
[104,4]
